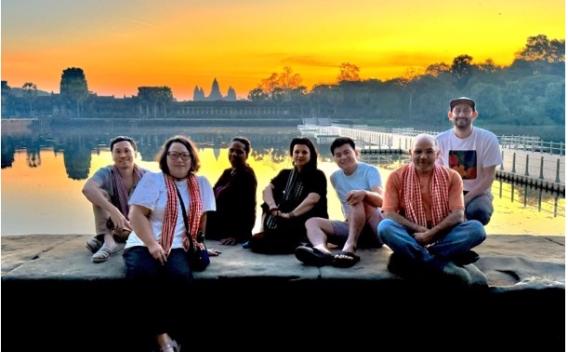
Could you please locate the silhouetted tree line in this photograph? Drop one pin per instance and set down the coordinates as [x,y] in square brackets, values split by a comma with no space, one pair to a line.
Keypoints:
[528,92]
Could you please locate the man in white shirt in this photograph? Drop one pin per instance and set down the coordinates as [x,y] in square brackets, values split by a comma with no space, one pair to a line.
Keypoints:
[474,153]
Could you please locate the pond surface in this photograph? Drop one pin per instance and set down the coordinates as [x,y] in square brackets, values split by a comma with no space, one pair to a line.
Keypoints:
[43,173]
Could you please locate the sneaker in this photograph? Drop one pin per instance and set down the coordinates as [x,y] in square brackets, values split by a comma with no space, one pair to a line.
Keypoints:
[104,253]
[94,244]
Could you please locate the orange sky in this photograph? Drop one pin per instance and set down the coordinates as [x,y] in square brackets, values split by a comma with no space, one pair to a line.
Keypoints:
[125,44]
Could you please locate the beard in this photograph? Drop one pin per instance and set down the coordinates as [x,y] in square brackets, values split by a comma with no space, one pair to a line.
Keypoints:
[462,124]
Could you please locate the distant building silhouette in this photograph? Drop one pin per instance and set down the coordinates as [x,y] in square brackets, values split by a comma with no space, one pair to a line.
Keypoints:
[73,84]
[231,94]
[215,92]
[198,94]
[154,101]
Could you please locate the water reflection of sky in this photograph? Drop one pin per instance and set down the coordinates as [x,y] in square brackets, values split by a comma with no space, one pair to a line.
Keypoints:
[39,197]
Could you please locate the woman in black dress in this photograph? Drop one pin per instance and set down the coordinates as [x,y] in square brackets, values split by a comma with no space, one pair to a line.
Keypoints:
[291,198]
[235,195]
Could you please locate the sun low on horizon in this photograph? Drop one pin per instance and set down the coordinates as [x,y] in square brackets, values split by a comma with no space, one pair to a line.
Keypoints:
[181,44]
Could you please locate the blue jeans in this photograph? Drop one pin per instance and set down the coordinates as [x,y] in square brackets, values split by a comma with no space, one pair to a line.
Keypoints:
[480,208]
[155,286]
[457,240]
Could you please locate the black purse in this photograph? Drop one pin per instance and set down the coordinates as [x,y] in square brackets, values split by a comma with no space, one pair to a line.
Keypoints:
[197,253]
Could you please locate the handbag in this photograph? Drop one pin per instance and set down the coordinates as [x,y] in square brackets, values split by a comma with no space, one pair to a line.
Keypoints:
[271,223]
[197,253]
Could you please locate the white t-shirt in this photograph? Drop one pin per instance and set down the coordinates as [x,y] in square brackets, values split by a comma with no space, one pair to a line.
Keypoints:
[151,193]
[365,177]
[469,155]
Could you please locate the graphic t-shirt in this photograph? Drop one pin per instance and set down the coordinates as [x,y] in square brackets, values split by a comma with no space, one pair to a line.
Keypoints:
[469,155]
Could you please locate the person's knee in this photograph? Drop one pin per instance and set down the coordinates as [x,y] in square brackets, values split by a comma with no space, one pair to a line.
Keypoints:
[357,209]
[476,232]
[384,229]
[478,213]
[313,223]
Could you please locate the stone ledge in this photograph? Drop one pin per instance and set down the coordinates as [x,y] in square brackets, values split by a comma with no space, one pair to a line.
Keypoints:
[511,262]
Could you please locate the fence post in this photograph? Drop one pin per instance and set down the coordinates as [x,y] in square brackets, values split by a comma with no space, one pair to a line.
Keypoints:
[541,168]
[527,166]
[502,160]
[512,191]
[526,195]
[500,188]
[514,160]
[557,171]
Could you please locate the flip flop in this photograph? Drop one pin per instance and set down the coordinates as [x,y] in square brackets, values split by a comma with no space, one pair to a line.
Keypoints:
[312,256]
[345,259]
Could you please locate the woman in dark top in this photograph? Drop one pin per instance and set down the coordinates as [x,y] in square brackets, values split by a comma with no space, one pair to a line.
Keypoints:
[235,195]
[291,198]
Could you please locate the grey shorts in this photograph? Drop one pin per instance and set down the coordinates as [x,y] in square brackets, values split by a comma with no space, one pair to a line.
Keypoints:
[369,237]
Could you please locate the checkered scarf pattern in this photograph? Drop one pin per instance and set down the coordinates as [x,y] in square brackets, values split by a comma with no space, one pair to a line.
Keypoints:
[170,215]
[412,197]
[120,189]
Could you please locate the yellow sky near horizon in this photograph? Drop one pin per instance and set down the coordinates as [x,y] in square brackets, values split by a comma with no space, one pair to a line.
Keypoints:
[182,44]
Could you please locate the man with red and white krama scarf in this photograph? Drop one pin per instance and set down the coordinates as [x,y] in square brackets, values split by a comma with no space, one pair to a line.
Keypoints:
[424,221]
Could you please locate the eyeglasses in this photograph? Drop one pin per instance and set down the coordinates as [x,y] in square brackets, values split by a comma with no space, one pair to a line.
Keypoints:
[176,155]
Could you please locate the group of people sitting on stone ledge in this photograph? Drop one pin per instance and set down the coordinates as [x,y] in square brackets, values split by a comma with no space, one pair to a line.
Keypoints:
[431,212]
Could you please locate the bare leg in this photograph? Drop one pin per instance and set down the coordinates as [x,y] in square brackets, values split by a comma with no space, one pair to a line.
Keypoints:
[373,217]
[356,220]
[317,230]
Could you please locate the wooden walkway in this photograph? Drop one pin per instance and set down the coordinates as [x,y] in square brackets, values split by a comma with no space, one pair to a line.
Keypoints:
[536,168]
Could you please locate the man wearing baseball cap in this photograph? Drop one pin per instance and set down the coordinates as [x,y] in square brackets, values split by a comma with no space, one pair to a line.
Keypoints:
[474,153]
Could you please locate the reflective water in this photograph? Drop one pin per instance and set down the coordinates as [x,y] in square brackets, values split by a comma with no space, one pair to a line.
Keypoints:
[43,173]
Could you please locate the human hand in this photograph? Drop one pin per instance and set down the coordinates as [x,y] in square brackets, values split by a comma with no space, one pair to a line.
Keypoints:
[158,253]
[229,241]
[423,238]
[213,252]
[286,215]
[119,221]
[355,197]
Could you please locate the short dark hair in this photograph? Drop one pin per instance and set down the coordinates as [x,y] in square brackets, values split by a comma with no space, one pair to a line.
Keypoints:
[244,142]
[338,142]
[163,154]
[313,162]
[119,139]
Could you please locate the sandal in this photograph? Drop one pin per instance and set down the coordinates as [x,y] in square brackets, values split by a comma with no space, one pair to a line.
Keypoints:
[104,253]
[313,256]
[345,259]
